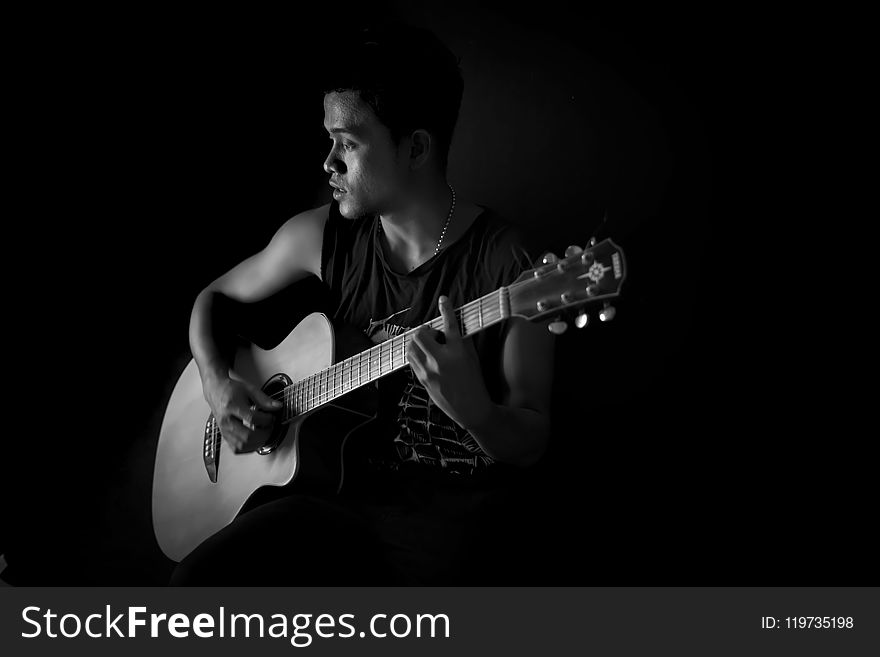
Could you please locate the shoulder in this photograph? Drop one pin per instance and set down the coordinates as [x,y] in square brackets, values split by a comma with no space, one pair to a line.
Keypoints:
[496,229]
[504,245]
[299,240]
[308,224]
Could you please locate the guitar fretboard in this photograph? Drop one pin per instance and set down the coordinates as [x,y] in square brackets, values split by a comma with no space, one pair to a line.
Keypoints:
[378,361]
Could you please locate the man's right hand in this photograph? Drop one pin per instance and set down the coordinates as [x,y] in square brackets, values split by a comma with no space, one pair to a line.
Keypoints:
[244,413]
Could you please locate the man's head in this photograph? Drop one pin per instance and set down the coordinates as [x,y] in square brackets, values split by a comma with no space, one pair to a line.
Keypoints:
[390,109]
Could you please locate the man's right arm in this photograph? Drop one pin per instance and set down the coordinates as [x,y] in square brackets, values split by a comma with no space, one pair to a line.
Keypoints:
[293,253]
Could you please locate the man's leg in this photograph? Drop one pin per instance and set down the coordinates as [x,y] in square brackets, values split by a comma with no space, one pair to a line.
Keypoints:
[293,541]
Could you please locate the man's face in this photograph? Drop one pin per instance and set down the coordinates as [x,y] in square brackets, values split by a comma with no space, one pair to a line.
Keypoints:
[363,163]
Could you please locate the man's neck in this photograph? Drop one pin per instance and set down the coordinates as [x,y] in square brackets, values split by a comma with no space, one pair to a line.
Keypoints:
[413,230]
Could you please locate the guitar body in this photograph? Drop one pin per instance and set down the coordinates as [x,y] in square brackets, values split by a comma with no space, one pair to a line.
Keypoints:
[188,506]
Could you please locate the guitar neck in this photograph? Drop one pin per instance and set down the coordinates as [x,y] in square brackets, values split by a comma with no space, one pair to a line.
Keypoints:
[386,357]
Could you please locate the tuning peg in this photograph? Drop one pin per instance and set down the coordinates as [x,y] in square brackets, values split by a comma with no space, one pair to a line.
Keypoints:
[557,326]
[549,258]
[607,313]
[582,320]
[574,249]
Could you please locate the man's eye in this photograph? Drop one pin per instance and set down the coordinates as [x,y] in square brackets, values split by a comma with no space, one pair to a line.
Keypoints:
[346,145]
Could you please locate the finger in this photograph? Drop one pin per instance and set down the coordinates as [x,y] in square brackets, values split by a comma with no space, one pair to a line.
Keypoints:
[257,420]
[414,353]
[233,433]
[263,400]
[262,420]
[427,356]
[450,321]
[415,358]
[241,413]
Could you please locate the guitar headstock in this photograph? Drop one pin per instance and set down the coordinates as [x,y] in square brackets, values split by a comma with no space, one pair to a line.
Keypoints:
[583,276]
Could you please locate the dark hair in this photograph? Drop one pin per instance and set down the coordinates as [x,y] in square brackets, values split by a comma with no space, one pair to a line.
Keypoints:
[407,76]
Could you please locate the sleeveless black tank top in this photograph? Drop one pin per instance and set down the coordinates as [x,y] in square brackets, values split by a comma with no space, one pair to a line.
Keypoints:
[367,293]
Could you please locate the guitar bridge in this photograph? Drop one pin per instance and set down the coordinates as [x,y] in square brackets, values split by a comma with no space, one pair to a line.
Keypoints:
[211,452]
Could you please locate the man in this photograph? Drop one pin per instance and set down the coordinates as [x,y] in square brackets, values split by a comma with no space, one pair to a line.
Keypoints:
[396,247]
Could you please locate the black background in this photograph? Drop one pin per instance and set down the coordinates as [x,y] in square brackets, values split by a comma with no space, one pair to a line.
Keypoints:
[156,151]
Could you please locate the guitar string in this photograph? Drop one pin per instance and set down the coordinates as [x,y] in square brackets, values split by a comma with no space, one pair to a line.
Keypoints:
[468,312]
[382,350]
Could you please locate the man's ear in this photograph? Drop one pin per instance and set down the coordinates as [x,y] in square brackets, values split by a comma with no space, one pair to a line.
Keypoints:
[420,145]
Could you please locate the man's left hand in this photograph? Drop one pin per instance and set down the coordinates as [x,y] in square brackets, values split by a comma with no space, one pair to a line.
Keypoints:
[450,372]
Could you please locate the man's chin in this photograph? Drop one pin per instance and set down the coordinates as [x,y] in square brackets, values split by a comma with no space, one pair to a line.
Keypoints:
[350,210]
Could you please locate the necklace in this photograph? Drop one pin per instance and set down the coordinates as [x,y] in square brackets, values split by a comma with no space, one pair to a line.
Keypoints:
[445,226]
[448,218]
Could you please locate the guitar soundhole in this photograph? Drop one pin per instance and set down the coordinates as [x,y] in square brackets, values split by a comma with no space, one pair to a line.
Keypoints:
[274,388]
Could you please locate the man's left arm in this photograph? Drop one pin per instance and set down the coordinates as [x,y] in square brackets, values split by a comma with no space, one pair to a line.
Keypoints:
[515,431]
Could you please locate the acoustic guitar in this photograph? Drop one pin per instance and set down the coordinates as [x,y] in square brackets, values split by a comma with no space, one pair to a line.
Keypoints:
[327,383]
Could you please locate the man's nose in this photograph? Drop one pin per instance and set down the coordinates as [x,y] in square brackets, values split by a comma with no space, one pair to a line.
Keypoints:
[333,164]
